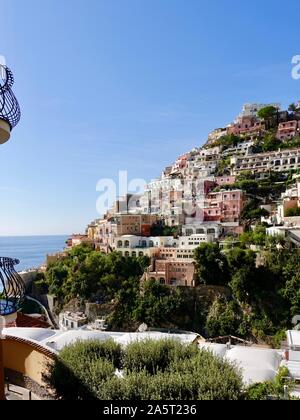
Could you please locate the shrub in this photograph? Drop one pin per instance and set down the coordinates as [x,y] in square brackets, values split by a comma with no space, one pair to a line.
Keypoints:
[82,368]
[292,212]
[155,356]
[161,370]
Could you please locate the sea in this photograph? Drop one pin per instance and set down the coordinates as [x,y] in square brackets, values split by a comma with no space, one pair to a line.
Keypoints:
[31,250]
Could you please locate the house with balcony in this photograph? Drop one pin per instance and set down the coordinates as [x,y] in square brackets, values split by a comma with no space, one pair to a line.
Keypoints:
[280,161]
[224,206]
[288,130]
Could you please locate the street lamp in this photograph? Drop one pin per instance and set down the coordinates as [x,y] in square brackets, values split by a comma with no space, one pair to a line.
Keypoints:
[12,289]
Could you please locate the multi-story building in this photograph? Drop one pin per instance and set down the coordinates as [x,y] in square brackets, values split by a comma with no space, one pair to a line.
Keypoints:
[247,126]
[198,228]
[224,206]
[280,161]
[216,134]
[251,110]
[173,273]
[288,130]
[242,149]
[123,224]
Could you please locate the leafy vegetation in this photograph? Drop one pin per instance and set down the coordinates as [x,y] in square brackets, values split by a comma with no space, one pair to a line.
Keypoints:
[264,296]
[271,389]
[267,112]
[152,370]
[293,212]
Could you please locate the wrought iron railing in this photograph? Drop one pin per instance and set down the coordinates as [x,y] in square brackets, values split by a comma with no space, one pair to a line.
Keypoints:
[9,107]
[12,287]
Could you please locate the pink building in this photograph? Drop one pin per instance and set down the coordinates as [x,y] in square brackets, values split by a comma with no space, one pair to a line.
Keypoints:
[247,126]
[173,273]
[288,130]
[224,206]
[225,180]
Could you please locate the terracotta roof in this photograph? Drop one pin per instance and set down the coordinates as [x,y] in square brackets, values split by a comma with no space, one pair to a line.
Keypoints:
[26,321]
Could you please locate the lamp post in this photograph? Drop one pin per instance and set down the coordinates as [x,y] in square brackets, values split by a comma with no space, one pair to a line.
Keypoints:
[12,289]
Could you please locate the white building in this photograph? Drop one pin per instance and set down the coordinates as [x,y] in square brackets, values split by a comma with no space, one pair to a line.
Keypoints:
[194,241]
[72,320]
[196,228]
[251,110]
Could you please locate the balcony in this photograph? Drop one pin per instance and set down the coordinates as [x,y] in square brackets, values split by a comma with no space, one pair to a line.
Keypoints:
[9,108]
[12,287]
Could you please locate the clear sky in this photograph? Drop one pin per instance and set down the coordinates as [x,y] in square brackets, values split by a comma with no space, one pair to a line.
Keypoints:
[109,85]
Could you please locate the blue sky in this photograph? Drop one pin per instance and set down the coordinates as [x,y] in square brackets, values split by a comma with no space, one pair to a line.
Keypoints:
[109,85]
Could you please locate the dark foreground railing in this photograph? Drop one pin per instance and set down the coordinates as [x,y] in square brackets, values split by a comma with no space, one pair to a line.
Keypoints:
[9,107]
[12,287]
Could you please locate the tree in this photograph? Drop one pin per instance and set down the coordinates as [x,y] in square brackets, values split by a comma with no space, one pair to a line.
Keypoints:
[224,318]
[270,143]
[267,112]
[292,108]
[157,304]
[211,265]
[252,213]
[239,258]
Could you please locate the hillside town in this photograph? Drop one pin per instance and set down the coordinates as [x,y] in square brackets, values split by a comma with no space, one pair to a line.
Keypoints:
[201,199]
[211,246]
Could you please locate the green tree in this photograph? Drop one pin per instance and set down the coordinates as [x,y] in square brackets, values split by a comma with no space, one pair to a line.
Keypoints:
[267,112]
[223,318]
[292,108]
[157,304]
[211,265]
[270,143]
[252,213]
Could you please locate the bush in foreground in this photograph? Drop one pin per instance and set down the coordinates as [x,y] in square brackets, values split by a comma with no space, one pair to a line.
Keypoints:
[152,370]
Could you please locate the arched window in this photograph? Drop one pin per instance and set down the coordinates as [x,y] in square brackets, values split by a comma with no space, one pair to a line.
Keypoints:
[127,254]
[162,280]
[200,232]
[127,244]
[141,254]
[134,254]
[120,244]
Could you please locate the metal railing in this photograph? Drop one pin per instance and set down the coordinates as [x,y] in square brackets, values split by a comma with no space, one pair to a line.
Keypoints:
[12,287]
[9,107]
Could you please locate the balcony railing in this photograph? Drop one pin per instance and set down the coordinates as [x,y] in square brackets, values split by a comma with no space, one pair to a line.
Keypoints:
[12,287]
[9,107]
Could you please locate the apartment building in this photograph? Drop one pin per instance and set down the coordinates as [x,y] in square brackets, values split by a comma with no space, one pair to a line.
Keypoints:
[288,130]
[172,273]
[247,126]
[123,224]
[281,160]
[224,206]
